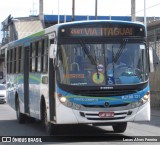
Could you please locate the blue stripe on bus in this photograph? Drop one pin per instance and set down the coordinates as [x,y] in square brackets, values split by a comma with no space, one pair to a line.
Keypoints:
[113,100]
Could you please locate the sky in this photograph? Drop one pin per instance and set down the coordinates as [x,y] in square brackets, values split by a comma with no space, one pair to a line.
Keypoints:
[22,8]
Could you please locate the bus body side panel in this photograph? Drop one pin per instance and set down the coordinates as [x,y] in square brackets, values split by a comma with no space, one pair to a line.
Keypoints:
[11,90]
[15,86]
[20,90]
[34,94]
[44,89]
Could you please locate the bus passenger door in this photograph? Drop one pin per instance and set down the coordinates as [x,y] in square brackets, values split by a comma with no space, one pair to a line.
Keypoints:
[51,83]
[26,79]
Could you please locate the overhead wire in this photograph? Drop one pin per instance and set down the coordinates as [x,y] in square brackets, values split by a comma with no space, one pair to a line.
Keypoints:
[147,8]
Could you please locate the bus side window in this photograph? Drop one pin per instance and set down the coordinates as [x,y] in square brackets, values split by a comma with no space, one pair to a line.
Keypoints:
[19,65]
[39,52]
[36,55]
[44,56]
[30,58]
[15,60]
[11,59]
[8,61]
[33,59]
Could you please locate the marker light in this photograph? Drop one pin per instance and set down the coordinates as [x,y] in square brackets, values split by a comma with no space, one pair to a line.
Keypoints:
[146,96]
[63,99]
[59,95]
[69,104]
[77,107]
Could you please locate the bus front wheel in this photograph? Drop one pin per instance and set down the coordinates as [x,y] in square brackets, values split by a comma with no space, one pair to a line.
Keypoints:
[119,127]
[49,127]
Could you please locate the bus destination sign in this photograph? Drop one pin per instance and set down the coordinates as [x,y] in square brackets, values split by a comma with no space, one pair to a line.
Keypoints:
[109,31]
[103,31]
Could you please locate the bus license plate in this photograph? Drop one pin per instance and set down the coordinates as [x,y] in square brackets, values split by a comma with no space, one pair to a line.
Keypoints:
[106,114]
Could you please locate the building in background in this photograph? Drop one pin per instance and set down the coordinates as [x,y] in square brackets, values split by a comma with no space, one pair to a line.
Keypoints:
[14,29]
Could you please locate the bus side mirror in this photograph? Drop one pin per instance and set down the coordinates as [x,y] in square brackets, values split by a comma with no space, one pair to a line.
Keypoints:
[53,51]
[151,66]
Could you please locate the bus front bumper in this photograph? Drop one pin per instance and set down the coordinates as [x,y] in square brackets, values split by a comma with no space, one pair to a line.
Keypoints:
[67,115]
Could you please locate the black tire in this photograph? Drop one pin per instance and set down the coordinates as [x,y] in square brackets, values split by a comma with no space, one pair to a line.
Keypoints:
[20,116]
[43,114]
[119,127]
[50,128]
[30,119]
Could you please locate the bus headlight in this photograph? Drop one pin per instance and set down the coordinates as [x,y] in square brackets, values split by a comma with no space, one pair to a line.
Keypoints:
[62,98]
[141,101]
[66,102]
[146,97]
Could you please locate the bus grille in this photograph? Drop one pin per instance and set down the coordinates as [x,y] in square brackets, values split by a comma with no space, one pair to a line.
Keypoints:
[102,106]
[104,93]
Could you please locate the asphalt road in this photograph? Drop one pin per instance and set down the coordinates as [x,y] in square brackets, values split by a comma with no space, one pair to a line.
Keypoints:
[82,134]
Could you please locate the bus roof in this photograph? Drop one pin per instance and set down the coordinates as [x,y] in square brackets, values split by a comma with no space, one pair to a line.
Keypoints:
[53,28]
[101,21]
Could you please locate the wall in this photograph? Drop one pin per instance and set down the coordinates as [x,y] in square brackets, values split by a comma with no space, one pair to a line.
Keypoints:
[155,89]
[154,42]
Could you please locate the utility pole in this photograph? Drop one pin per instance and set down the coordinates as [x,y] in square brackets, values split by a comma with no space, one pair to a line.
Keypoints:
[95,9]
[58,12]
[145,19]
[73,9]
[41,14]
[133,10]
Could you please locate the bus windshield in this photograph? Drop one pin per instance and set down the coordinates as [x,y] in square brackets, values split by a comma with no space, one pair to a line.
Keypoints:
[91,64]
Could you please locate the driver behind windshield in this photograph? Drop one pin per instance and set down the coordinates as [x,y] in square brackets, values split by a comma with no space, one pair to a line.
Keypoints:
[120,65]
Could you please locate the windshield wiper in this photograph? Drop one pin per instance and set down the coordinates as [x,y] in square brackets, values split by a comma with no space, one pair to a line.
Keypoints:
[93,61]
[119,52]
[84,47]
[117,55]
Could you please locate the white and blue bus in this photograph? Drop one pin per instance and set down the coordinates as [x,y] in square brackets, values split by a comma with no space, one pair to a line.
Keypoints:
[89,72]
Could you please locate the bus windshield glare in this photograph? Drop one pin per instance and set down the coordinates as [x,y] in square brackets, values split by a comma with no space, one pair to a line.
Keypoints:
[102,64]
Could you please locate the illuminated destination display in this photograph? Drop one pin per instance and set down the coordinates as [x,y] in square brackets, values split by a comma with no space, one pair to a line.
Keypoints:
[101,31]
